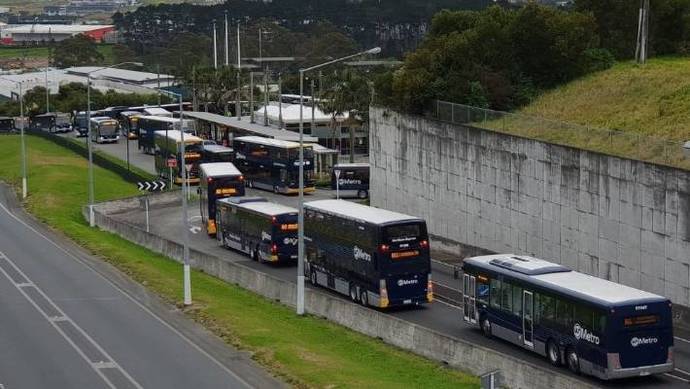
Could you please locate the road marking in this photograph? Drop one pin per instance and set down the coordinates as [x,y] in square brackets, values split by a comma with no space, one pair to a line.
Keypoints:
[438,300]
[681,339]
[446,286]
[676,377]
[64,318]
[131,298]
[195,229]
[682,371]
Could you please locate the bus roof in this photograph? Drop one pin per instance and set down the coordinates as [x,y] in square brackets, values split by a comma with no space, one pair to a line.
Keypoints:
[217,149]
[360,212]
[564,280]
[261,206]
[131,113]
[176,136]
[219,169]
[350,165]
[101,118]
[160,118]
[286,144]
[155,111]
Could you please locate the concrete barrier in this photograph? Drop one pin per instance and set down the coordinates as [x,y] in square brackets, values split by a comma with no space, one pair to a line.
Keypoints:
[453,351]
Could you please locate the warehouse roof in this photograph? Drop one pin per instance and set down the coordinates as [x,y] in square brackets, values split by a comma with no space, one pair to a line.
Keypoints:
[53,28]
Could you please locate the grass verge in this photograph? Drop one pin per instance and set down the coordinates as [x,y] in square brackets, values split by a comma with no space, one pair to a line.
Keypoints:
[305,351]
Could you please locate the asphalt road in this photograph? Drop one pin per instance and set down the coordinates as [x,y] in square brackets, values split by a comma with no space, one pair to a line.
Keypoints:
[68,320]
[444,315]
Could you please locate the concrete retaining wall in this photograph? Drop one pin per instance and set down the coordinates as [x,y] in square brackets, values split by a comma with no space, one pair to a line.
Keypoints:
[453,351]
[622,220]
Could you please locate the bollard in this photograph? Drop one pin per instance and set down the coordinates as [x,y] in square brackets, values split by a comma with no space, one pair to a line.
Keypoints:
[489,380]
[686,149]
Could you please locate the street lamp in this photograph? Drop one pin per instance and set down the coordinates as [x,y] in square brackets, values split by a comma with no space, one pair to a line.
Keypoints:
[300,222]
[23,142]
[92,220]
[187,283]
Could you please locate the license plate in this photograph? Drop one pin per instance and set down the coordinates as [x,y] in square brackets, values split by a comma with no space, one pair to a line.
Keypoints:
[293,256]
[408,301]
[644,373]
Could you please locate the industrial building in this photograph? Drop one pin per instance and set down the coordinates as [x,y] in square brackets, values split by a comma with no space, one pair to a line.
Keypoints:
[29,34]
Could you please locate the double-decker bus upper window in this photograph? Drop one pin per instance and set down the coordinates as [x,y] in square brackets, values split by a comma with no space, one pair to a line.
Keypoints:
[401,232]
[495,293]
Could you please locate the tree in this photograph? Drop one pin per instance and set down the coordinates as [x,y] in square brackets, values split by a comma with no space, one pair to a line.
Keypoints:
[78,50]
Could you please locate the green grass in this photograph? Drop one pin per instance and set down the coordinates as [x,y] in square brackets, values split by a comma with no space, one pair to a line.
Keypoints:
[304,351]
[43,52]
[630,110]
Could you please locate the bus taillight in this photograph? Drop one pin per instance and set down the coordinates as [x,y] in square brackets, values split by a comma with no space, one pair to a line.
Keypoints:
[424,244]
[383,293]
[209,180]
[241,178]
[384,248]
[274,249]
[429,289]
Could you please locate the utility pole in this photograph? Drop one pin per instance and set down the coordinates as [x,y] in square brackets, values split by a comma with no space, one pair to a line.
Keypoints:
[251,97]
[313,107]
[239,70]
[215,48]
[227,55]
[266,96]
[158,70]
[642,32]
[280,100]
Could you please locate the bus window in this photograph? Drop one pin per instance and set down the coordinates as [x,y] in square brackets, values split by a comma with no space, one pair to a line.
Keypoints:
[564,313]
[583,315]
[547,308]
[507,296]
[495,294]
[517,300]
[482,288]
[283,175]
[599,319]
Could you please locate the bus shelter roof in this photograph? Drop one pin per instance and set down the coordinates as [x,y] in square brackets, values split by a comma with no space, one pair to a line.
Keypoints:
[244,125]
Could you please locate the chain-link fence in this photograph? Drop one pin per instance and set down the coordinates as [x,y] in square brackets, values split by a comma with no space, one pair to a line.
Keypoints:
[618,143]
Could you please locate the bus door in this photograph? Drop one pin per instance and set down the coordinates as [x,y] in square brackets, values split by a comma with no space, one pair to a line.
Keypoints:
[469,298]
[527,318]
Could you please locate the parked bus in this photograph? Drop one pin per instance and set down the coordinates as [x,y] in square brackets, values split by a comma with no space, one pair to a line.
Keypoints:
[592,325]
[377,257]
[216,153]
[129,123]
[168,144]
[266,231]
[80,123]
[44,122]
[63,122]
[273,164]
[149,125]
[6,124]
[156,111]
[104,130]
[217,180]
[352,180]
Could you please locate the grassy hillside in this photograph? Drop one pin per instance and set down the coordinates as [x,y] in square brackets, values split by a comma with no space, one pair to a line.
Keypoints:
[652,99]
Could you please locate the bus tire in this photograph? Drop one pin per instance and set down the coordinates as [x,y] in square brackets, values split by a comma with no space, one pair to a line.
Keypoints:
[573,360]
[553,353]
[312,278]
[362,194]
[486,327]
[353,293]
[275,190]
[364,298]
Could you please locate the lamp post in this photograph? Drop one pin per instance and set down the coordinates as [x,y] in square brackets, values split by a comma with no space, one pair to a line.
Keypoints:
[300,222]
[92,220]
[187,283]
[23,141]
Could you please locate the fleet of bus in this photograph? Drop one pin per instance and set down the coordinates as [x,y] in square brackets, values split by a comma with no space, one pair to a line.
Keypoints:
[104,130]
[591,325]
[273,164]
[266,231]
[381,259]
[217,180]
[6,124]
[377,257]
[168,146]
[351,179]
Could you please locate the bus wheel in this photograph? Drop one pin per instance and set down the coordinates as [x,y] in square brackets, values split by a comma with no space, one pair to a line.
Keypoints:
[362,194]
[275,190]
[364,298]
[486,327]
[573,360]
[353,292]
[312,278]
[553,353]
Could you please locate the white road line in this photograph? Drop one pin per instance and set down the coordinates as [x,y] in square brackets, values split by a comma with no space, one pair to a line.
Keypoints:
[682,371]
[438,300]
[446,286]
[676,377]
[681,339]
[131,298]
[66,318]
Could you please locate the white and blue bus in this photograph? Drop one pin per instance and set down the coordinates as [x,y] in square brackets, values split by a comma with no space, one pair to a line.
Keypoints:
[592,325]
[379,258]
[352,179]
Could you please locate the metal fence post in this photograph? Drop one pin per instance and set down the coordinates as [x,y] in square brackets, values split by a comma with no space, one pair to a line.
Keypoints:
[452,113]
[146,204]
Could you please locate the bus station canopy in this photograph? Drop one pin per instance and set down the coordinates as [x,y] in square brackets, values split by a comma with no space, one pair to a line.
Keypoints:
[244,126]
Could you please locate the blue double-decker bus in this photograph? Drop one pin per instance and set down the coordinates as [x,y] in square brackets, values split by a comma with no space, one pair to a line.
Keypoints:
[351,179]
[591,325]
[273,164]
[379,258]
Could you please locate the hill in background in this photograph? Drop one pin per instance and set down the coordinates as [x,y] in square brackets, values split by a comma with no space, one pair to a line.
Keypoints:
[651,99]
